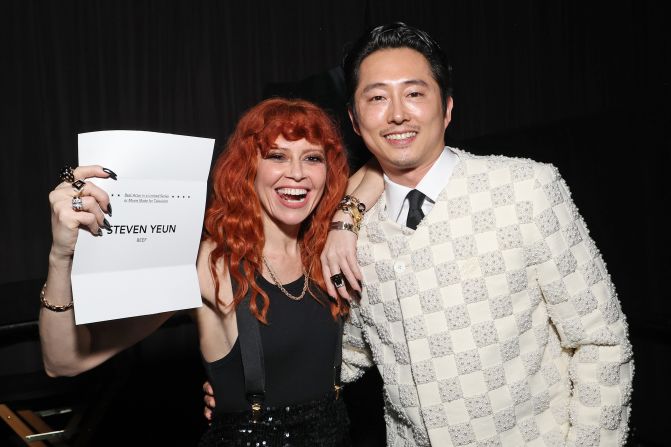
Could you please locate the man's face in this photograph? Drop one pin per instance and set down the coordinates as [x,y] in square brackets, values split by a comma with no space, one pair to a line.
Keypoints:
[399,113]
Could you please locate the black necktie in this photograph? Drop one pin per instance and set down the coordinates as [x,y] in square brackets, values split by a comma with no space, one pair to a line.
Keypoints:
[415,214]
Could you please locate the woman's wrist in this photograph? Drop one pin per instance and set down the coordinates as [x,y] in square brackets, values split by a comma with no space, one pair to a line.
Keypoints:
[52,305]
[60,261]
[340,216]
[348,215]
[343,221]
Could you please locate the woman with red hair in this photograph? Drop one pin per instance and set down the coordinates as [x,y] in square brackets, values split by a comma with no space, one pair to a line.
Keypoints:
[269,334]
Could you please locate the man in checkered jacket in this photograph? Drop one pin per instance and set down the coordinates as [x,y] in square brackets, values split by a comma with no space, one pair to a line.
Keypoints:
[486,306]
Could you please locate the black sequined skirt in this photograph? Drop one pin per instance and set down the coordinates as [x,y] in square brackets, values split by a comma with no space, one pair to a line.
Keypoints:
[321,422]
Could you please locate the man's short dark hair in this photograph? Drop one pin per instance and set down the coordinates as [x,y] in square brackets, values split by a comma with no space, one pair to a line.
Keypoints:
[397,35]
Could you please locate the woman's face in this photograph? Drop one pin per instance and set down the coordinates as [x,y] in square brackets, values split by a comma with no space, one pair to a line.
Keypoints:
[290,181]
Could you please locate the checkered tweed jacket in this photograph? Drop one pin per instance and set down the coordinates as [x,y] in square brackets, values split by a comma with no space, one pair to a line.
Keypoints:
[495,323]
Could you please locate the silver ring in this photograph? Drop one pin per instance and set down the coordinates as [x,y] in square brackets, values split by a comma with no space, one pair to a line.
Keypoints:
[338,280]
[66,174]
[77,204]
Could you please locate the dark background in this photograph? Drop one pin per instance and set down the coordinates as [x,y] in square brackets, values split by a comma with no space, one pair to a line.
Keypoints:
[584,85]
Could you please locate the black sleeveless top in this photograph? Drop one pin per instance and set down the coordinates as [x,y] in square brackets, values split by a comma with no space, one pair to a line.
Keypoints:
[299,345]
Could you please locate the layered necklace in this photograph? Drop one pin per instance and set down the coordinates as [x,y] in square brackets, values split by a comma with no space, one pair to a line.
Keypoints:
[279,284]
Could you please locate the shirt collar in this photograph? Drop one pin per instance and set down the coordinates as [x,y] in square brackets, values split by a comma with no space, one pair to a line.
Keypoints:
[431,185]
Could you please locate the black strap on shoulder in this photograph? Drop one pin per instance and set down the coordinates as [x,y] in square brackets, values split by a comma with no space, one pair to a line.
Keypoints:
[337,360]
[251,349]
[249,338]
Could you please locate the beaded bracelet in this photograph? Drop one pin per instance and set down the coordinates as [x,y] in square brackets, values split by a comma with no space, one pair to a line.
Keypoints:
[53,307]
[349,200]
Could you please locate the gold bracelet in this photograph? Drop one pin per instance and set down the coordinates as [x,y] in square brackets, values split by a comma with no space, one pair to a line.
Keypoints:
[53,307]
[352,206]
[340,225]
[356,216]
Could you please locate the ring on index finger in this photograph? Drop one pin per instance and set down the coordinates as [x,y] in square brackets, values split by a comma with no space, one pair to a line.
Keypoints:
[78,186]
[77,204]
[66,174]
[338,280]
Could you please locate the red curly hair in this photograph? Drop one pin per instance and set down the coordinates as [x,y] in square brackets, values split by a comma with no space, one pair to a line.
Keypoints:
[233,217]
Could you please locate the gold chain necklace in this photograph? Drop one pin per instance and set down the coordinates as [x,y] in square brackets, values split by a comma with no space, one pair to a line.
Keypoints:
[279,285]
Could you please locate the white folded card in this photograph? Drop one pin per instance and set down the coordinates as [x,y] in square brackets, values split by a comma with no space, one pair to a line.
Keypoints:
[146,263]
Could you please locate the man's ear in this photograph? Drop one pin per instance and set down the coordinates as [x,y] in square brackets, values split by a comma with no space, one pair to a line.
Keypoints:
[449,104]
[352,117]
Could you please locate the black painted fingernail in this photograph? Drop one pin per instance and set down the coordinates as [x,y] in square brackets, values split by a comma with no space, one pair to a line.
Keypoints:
[110,172]
[109,209]
[106,224]
[100,232]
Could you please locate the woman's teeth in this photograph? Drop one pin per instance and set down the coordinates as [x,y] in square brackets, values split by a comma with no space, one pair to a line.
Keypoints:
[292,194]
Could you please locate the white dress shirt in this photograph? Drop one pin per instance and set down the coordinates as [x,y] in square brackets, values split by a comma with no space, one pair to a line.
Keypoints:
[430,185]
